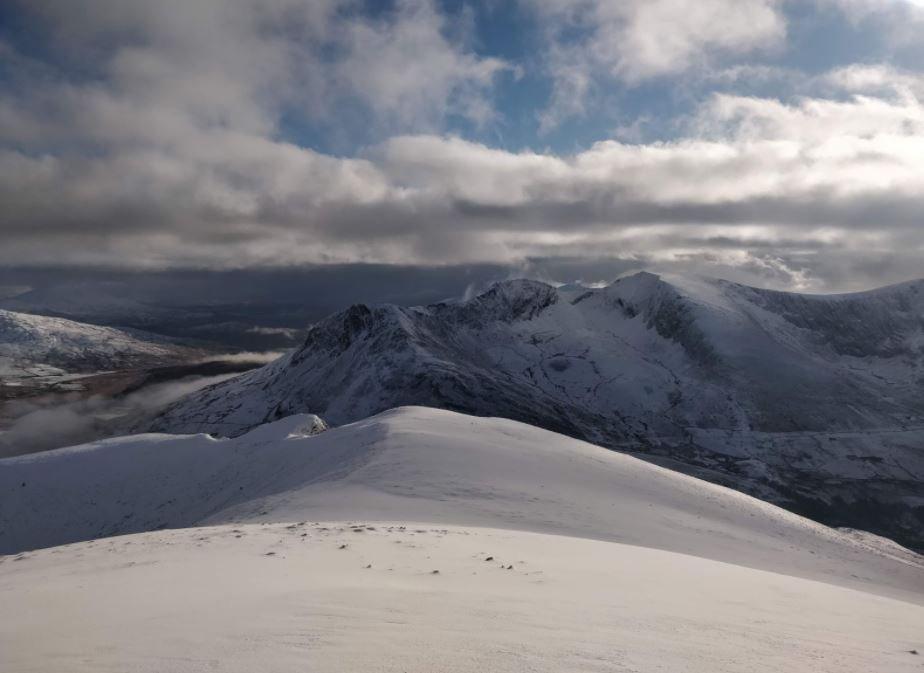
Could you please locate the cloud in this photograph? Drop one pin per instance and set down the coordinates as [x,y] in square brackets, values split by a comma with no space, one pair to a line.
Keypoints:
[859,10]
[57,422]
[175,67]
[405,67]
[637,40]
[169,135]
[251,357]
[172,144]
[816,174]
[877,80]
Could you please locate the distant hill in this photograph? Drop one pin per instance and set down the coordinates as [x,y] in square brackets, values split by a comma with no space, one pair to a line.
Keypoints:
[31,344]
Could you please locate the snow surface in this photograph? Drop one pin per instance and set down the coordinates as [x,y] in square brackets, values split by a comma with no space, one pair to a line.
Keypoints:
[422,540]
[417,598]
[420,464]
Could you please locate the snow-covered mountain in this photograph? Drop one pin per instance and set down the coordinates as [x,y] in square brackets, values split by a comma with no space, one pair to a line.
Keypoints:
[31,344]
[813,402]
[423,538]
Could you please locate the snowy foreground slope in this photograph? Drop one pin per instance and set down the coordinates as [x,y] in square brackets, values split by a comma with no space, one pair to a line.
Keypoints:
[422,540]
[815,403]
[34,345]
[418,464]
[416,599]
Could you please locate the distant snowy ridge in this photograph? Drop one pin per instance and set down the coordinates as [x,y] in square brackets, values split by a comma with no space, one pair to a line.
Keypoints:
[813,402]
[645,355]
[28,341]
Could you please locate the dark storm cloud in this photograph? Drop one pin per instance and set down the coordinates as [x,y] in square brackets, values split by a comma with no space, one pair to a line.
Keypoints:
[321,289]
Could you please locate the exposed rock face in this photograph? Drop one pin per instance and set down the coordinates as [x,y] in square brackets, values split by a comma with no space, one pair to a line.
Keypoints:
[812,402]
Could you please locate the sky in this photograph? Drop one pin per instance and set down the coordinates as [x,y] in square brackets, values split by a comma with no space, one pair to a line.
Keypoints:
[774,142]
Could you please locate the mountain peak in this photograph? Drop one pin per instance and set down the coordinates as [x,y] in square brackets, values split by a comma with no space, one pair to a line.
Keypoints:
[510,300]
[732,380]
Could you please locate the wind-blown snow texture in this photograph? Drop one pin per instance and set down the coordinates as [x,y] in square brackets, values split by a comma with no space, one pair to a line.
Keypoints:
[812,402]
[415,598]
[30,344]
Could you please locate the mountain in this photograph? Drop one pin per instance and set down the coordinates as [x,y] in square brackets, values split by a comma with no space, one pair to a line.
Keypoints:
[815,403]
[421,536]
[174,311]
[33,345]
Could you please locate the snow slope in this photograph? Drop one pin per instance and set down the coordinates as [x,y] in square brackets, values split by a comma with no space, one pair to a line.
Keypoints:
[425,465]
[422,540]
[813,402]
[32,344]
[419,598]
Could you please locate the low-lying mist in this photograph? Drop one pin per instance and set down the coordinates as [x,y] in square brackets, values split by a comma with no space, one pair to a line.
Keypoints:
[54,421]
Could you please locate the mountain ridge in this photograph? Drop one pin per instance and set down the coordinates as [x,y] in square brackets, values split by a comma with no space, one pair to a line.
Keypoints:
[28,341]
[427,465]
[680,370]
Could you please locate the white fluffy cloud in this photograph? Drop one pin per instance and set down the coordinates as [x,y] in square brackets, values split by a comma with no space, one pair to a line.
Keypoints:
[407,68]
[162,70]
[641,39]
[756,180]
[645,38]
[167,151]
